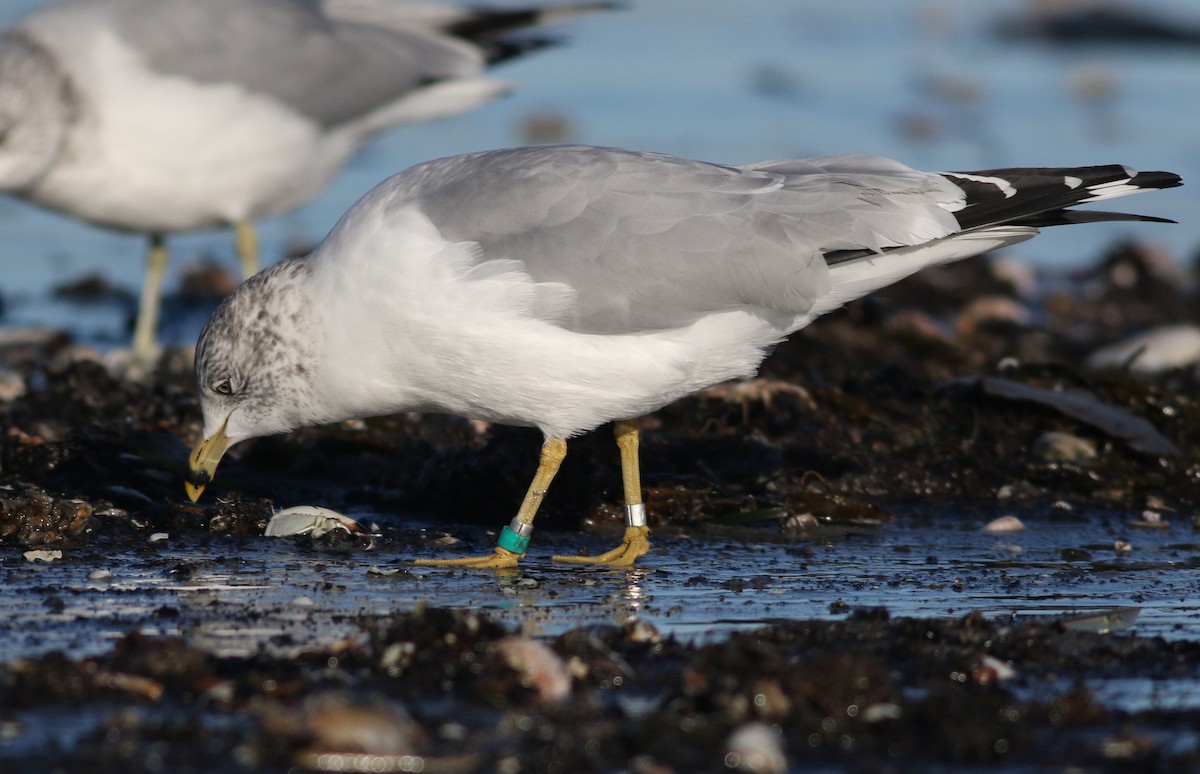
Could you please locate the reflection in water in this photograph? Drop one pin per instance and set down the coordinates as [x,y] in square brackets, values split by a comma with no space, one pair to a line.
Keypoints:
[632,597]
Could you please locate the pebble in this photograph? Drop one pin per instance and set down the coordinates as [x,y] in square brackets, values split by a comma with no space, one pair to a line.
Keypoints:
[159,537]
[1063,447]
[755,748]
[992,670]
[343,724]
[540,668]
[1004,524]
[12,385]
[1150,520]
[98,575]
[43,555]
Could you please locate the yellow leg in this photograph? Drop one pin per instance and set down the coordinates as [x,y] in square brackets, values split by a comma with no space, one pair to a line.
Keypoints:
[146,326]
[637,535]
[516,534]
[247,247]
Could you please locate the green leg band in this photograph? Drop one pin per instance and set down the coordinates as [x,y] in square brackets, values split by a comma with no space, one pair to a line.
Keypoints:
[514,541]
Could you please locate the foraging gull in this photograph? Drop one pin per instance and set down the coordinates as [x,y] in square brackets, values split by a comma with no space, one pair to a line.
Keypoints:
[563,287]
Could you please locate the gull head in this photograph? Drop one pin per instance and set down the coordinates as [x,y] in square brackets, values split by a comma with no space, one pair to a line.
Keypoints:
[37,107]
[256,363]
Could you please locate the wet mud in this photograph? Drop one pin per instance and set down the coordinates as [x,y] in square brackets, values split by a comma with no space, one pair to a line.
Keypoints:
[928,538]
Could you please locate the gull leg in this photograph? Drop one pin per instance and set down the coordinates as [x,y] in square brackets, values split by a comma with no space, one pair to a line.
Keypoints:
[515,537]
[637,535]
[147,317]
[247,247]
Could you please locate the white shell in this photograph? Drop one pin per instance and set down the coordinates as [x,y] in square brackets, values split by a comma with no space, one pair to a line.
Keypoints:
[309,519]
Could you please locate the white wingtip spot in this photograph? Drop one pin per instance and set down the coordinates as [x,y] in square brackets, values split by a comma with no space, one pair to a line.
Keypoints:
[1005,187]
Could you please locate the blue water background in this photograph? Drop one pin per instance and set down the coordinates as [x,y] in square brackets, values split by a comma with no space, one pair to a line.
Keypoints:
[737,81]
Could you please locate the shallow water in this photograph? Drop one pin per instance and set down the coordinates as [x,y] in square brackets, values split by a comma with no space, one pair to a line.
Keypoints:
[238,596]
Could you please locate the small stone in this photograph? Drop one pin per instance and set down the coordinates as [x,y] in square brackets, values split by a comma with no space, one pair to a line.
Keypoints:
[1018,490]
[755,748]
[1150,520]
[1004,524]
[1063,447]
[1123,547]
[98,575]
[43,555]
[12,385]
[539,667]
[158,537]
[638,630]
[992,670]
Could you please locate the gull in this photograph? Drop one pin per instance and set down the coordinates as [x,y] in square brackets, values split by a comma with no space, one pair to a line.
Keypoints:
[565,287]
[160,116]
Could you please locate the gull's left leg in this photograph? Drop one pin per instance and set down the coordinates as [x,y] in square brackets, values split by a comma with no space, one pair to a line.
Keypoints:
[247,247]
[146,326]
[637,534]
[515,537]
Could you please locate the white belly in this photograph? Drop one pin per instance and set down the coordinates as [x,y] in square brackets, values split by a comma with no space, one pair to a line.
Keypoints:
[160,154]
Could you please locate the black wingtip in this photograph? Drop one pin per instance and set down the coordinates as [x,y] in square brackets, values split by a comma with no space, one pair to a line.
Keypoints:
[1032,196]
[1066,217]
[1156,180]
[483,26]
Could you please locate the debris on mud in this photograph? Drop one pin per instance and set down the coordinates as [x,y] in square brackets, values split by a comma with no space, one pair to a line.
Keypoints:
[442,691]
[850,428]
[39,519]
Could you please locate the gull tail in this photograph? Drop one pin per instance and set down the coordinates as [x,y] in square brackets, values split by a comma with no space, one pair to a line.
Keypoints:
[1001,207]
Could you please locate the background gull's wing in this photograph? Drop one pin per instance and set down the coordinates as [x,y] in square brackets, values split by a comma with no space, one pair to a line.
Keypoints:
[332,71]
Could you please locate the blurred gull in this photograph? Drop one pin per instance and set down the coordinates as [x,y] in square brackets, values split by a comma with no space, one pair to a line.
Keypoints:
[160,116]
[562,287]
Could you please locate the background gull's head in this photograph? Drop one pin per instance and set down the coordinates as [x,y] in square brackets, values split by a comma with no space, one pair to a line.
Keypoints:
[36,106]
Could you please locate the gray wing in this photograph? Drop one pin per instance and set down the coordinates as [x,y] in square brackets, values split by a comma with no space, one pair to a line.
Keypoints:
[647,241]
[331,70]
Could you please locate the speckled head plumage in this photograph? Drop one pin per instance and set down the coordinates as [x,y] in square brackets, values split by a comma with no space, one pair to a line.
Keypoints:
[255,365]
[256,356]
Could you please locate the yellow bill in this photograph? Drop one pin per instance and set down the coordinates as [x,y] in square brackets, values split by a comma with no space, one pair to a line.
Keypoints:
[202,464]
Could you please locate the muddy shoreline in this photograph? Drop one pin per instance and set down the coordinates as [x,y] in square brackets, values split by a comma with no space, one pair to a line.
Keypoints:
[826,519]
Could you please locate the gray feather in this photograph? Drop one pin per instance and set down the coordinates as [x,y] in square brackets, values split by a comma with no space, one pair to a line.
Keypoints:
[649,242]
[331,70]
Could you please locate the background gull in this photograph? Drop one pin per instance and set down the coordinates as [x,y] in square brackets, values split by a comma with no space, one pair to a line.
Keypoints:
[161,116]
[565,287]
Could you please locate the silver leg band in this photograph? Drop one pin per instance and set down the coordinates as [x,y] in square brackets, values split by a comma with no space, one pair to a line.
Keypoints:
[635,515]
[521,528]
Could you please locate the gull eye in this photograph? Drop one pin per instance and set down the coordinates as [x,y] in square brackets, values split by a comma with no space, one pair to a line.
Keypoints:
[223,387]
